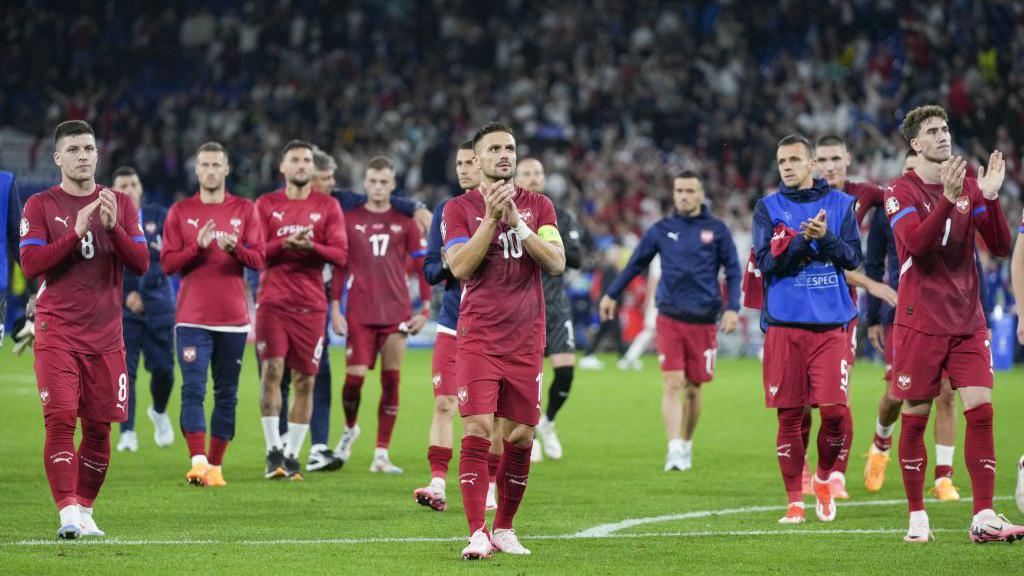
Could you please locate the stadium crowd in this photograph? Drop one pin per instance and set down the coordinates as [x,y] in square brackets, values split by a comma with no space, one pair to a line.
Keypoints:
[614,97]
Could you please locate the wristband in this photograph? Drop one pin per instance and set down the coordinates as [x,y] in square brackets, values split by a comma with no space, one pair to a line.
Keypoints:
[523,231]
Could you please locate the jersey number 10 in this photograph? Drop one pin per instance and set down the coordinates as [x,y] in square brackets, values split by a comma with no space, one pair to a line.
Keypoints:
[511,244]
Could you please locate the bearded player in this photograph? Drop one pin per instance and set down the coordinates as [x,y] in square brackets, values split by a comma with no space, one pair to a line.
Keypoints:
[498,239]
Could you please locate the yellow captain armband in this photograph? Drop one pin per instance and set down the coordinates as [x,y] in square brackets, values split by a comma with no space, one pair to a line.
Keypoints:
[549,233]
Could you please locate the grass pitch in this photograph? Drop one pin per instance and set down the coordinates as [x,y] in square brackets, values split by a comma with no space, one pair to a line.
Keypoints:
[606,508]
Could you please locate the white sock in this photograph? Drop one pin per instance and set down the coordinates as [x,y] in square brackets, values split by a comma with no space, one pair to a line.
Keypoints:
[271,433]
[944,455]
[296,437]
[884,431]
[85,510]
[686,445]
[199,459]
[377,452]
[70,514]
[675,445]
[919,516]
[438,484]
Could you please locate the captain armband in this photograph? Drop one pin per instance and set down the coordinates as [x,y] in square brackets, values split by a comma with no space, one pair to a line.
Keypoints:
[549,233]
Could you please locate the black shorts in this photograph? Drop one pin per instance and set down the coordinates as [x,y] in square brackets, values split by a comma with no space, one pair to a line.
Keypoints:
[561,336]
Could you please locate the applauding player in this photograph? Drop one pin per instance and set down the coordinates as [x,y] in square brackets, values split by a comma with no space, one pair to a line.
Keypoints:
[304,231]
[935,211]
[209,240]
[78,236]
[497,241]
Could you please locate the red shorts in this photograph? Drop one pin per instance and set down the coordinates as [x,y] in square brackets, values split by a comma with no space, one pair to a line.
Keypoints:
[507,386]
[298,337]
[888,359]
[919,360]
[692,348]
[444,365]
[93,385]
[851,339]
[365,342]
[805,368]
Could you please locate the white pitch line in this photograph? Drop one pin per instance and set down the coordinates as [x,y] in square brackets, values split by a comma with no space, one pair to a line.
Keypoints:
[422,539]
[605,530]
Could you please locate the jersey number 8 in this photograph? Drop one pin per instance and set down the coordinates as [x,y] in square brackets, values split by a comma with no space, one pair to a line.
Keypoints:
[88,249]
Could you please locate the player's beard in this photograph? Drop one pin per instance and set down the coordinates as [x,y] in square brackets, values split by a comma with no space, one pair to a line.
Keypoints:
[939,158]
[299,183]
[495,175]
[75,176]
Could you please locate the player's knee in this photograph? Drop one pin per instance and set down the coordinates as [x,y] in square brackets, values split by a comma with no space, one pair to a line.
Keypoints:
[790,419]
[95,431]
[479,428]
[273,371]
[444,407]
[692,390]
[61,422]
[832,415]
[521,435]
[674,383]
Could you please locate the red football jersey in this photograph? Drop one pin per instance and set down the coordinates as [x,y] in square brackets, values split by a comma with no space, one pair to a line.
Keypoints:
[79,302]
[212,290]
[379,245]
[502,309]
[938,292]
[294,279]
[867,195]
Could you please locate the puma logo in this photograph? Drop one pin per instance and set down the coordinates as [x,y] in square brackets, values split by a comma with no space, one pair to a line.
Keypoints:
[193,221]
[278,215]
[514,481]
[361,227]
[62,456]
[674,236]
[120,406]
[469,478]
[990,467]
[63,220]
[784,451]
[914,467]
[479,219]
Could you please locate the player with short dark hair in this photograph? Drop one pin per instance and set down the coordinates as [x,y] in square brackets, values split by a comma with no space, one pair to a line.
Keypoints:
[880,258]
[436,271]
[148,320]
[305,231]
[805,236]
[695,248]
[377,317]
[559,331]
[77,236]
[210,239]
[498,239]
[935,212]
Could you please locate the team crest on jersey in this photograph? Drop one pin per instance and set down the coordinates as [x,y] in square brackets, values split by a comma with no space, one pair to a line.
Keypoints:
[261,348]
[396,228]
[963,204]
[463,395]
[707,236]
[44,396]
[314,217]
[24,226]
[188,354]
[903,381]
[151,227]
[437,380]
[236,223]
[525,215]
[892,206]
[773,389]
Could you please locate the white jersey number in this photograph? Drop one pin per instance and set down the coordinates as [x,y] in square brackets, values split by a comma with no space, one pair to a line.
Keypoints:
[380,244]
[88,249]
[511,244]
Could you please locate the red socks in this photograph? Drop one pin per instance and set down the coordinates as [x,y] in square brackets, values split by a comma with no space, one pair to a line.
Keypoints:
[513,474]
[59,458]
[831,438]
[387,410]
[492,466]
[439,458]
[350,395]
[843,460]
[472,479]
[914,458]
[805,429]
[790,450]
[883,444]
[94,458]
[980,455]
[217,448]
[196,442]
